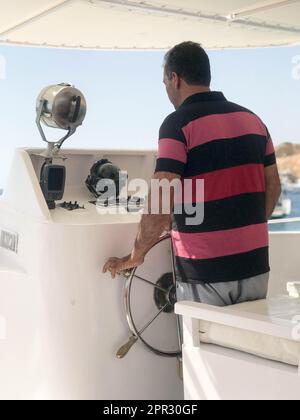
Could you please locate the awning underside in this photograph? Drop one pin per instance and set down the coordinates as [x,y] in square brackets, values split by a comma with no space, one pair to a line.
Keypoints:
[149,24]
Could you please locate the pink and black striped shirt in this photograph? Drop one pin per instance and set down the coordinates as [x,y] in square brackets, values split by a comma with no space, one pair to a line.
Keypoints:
[228,147]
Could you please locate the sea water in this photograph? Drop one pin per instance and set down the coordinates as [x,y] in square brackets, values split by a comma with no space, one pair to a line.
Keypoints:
[285,227]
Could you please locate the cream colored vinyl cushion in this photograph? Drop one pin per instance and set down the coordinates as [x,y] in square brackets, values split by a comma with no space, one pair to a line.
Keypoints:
[266,346]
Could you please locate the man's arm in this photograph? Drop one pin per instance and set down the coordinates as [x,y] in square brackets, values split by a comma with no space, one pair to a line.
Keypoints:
[170,166]
[272,180]
[153,226]
[150,230]
[273,188]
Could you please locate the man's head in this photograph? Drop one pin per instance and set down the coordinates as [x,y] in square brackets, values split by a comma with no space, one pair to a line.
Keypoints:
[186,71]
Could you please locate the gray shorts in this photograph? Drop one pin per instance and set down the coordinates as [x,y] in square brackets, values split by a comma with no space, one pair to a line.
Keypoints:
[227,293]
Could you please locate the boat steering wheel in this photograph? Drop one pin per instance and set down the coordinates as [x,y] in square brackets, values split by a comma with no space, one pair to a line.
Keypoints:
[164,298]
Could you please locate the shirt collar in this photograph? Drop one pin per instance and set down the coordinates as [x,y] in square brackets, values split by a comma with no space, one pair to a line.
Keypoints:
[204,97]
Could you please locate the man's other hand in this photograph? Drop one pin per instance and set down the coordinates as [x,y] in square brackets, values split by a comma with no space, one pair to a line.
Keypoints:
[117,265]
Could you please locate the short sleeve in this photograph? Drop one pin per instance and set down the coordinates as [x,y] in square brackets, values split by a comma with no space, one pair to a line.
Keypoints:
[172,148]
[270,157]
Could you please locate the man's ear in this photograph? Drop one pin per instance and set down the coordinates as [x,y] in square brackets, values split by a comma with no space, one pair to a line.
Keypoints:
[176,80]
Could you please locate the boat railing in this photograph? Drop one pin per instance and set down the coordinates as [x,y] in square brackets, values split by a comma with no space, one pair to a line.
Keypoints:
[284,220]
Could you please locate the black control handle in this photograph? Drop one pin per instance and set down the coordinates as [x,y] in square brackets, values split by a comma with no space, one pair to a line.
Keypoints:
[75,109]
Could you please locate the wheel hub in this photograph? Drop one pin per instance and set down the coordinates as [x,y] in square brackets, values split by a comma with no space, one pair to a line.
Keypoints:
[167,297]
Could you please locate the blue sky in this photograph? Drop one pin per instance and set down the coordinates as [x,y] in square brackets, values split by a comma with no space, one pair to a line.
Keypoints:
[126,98]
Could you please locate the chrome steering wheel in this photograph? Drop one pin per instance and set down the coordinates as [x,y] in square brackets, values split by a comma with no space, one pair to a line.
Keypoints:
[164,297]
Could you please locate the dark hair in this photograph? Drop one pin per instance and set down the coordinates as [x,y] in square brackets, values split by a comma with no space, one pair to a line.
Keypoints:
[190,62]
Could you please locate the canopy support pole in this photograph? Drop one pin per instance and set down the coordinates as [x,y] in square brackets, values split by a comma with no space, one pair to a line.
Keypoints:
[231,19]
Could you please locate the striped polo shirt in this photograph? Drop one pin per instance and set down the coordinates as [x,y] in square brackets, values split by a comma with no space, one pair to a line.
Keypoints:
[228,147]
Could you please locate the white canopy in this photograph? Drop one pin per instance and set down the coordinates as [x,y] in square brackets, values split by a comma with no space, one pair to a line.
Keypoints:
[149,24]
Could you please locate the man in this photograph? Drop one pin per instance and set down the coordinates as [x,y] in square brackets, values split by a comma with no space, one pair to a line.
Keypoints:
[224,260]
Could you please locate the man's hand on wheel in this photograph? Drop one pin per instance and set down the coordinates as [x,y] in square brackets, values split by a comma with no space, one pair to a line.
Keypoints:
[117,265]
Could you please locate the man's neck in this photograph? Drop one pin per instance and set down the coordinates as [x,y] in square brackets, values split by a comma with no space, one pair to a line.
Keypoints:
[193,90]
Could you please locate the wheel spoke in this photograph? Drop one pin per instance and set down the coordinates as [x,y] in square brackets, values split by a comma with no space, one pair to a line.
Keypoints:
[153,319]
[151,284]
